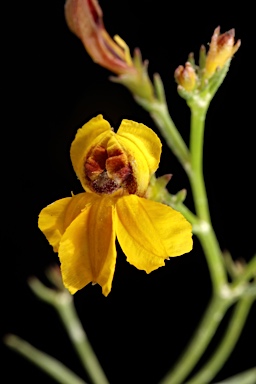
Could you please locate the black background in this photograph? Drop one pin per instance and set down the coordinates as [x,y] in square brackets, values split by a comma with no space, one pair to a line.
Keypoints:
[140,329]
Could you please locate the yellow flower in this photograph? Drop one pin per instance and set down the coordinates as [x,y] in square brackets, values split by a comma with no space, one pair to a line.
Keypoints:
[114,169]
[221,49]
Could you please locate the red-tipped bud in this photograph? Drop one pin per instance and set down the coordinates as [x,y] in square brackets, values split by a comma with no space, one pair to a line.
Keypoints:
[186,77]
[221,49]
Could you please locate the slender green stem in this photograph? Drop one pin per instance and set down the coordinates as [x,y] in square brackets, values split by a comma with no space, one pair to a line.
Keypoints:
[214,259]
[172,136]
[248,273]
[182,208]
[196,152]
[207,237]
[246,377]
[47,363]
[192,162]
[80,342]
[250,290]
[158,109]
[222,353]
[62,301]
[199,342]
[159,113]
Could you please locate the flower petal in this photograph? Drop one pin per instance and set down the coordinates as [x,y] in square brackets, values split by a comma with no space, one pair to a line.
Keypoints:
[144,148]
[56,217]
[87,249]
[85,20]
[93,132]
[149,232]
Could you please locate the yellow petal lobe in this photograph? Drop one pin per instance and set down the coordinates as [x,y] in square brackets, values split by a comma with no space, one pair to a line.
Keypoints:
[150,232]
[144,148]
[87,249]
[96,131]
[105,162]
[56,217]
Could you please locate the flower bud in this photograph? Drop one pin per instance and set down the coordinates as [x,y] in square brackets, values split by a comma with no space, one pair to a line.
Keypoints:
[85,20]
[186,77]
[221,49]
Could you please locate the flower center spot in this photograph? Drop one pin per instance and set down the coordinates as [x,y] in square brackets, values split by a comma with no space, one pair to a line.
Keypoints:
[108,171]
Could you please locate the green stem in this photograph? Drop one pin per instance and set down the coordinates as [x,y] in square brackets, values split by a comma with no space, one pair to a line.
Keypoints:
[80,342]
[248,273]
[170,133]
[192,161]
[62,301]
[227,344]
[246,377]
[196,152]
[214,259]
[182,208]
[159,113]
[47,363]
[207,236]
[199,342]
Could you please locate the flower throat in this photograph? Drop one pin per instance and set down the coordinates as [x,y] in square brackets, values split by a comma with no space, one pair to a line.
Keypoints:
[108,171]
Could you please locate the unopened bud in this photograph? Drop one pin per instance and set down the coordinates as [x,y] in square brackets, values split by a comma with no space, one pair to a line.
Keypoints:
[186,77]
[221,49]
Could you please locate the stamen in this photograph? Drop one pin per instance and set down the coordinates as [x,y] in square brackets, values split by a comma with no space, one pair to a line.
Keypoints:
[125,47]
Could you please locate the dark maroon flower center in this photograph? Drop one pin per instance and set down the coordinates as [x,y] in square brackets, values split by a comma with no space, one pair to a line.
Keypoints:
[109,171]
